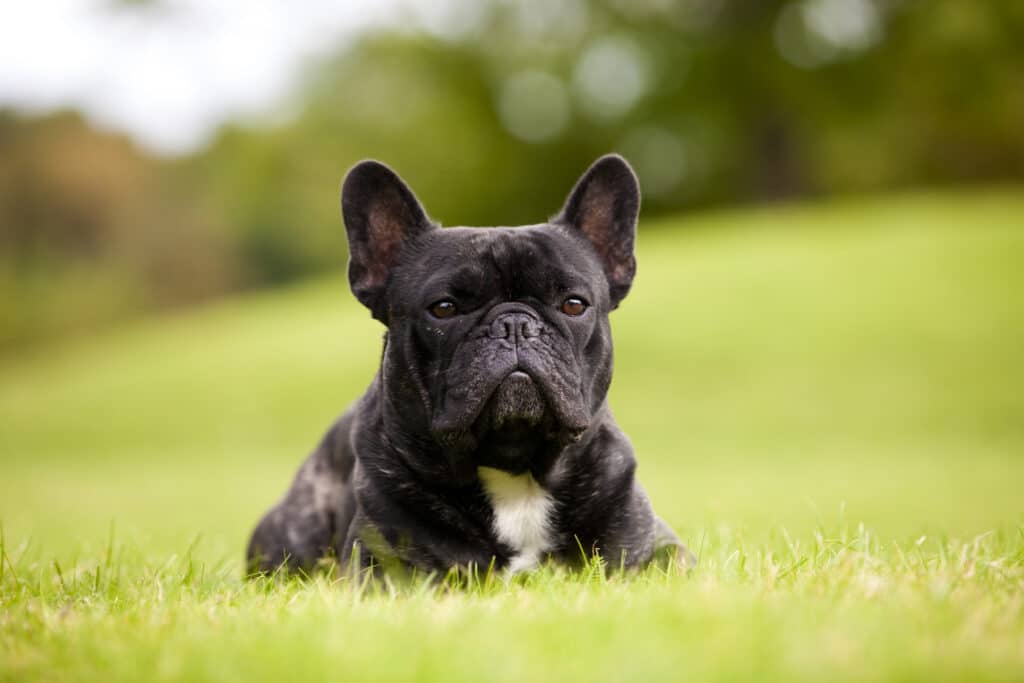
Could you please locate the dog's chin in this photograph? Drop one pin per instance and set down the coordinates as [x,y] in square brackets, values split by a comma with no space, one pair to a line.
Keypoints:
[515,425]
[516,431]
[516,405]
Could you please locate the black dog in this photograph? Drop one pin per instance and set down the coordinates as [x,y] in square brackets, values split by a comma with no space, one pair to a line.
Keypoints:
[485,437]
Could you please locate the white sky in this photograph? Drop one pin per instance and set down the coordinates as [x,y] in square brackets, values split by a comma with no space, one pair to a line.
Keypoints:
[168,75]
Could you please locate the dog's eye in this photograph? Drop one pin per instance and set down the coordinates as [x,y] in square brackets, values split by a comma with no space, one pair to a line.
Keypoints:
[445,308]
[574,306]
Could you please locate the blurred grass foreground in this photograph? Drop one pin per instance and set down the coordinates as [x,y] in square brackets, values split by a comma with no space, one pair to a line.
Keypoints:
[825,400]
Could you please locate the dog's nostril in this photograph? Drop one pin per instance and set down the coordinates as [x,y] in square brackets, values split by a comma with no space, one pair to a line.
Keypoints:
[528,328]
[500,329]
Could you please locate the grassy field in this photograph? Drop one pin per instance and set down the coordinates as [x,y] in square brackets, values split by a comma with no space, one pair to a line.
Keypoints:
[826,401]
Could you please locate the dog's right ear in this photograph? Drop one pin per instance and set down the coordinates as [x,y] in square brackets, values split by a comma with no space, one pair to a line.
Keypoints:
[381,214]
[603,207]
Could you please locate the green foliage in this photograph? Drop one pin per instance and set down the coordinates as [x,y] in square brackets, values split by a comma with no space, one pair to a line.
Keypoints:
[714,101]
[826,405]
[92,230]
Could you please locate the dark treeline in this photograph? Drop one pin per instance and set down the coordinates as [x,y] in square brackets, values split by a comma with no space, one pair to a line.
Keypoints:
[714,101]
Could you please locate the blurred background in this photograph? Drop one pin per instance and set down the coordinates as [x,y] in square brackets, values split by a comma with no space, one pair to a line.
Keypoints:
[156,153]
[829,305]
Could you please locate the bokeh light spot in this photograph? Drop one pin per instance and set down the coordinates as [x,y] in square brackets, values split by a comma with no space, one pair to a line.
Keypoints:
[611,76]
[534,106]
[813,33]
[660,158]
[846,24]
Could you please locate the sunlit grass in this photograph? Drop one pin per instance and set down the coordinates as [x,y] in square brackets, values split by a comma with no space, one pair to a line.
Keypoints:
[841,605]
[825,400]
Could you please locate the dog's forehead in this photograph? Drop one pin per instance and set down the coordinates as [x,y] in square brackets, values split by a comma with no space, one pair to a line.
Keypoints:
[531,260]
[526,244]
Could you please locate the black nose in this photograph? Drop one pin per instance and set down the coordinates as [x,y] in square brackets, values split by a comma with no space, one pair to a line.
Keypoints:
[514,326]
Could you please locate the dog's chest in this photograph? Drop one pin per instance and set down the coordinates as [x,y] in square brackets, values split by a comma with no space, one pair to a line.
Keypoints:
[522,515]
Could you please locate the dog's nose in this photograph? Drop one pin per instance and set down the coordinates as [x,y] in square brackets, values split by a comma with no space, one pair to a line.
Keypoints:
[514,326]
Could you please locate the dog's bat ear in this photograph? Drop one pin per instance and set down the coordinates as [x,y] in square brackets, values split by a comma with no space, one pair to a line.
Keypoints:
[381,214]
[604,206]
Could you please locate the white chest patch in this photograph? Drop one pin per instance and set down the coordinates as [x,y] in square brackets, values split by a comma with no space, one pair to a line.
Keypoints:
[522,515]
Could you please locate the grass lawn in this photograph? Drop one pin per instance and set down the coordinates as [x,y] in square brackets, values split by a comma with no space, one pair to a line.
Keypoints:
[826,401]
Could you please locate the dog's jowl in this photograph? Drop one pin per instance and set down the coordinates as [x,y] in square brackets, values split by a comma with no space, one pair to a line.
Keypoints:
[485,436]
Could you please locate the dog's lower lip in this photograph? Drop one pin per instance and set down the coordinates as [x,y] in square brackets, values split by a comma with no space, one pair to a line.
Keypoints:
[520,375]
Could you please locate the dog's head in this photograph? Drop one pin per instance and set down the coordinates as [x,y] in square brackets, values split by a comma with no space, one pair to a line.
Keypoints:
[498,350]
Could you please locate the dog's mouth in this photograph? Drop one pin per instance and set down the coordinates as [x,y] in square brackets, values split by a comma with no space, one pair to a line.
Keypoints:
[521,421]
[516,426]
[516,404]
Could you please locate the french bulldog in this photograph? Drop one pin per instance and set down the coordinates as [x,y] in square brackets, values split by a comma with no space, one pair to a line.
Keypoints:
[485,439]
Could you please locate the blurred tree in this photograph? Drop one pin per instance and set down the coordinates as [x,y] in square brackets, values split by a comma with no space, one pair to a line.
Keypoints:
[493,112]
[714,101]
[92,229]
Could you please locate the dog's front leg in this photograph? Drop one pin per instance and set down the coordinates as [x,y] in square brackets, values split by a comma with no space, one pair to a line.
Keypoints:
[313,517]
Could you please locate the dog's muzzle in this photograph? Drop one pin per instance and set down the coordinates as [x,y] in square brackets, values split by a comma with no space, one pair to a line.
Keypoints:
[516,402]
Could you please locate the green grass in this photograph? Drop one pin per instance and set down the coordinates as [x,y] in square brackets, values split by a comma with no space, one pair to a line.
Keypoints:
[826,401]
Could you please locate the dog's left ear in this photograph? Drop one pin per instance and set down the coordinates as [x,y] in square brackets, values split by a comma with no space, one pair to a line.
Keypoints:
[604,206]
[381,215]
